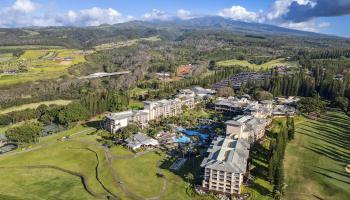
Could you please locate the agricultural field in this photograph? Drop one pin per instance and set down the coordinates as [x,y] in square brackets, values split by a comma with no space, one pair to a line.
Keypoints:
[38,64]
[34,105]
[267,65]
[126,43]
[315,160]
[5,57]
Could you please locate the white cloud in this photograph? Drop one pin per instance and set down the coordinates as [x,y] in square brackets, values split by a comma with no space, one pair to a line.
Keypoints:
[24,13]
[25,6]
[324,25]
[156,14]
[92,17]
[184,14]
[240,13]
[281,7]
[310,26]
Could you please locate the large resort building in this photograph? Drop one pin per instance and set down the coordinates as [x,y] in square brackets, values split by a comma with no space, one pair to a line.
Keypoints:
[153,110]
[227,161]
[156,110]
[225,165]
[247,127]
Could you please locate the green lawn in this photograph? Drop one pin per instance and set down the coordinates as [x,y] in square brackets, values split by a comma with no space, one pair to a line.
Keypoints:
[26,184]
[244,63]
[78,155]
[121,151]
[315,159]
[140,174]
[34,105]
[129,176]
[135,105]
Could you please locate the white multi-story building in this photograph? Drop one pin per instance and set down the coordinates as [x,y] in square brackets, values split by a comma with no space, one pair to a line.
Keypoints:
[225,165]
[115,121]
[153,110]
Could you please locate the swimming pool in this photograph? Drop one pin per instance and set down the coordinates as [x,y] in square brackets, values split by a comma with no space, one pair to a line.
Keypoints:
[182,139]
[193,133]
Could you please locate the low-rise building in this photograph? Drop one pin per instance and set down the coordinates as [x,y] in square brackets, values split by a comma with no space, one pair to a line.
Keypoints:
[231,104]
[283,110]
[242,78]
[202,92]
[245,106]
[141,140]
[225,165]
[291,101]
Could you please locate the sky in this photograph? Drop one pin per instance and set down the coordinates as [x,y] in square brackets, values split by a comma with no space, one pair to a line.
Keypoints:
[323,16]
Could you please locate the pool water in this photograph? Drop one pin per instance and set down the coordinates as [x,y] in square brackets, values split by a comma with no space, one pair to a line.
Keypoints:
[188,132]
[182,139]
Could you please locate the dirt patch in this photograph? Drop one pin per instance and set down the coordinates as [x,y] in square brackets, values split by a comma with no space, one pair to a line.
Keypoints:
[65,63]
[184,70]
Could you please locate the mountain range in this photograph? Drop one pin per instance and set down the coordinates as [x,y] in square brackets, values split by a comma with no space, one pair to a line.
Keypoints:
[87,37]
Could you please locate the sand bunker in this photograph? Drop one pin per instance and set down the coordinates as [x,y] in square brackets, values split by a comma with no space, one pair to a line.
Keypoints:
[347,168]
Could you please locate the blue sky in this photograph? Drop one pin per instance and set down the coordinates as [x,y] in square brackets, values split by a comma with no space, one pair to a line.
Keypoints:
[324,16]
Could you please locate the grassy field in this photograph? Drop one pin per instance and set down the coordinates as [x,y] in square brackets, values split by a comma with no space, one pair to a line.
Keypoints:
[126,43]
[41,64]
[139,174]
[5,57]
[315,160]
[244,63]
[34,105]
[74,169]
[54,169]
[43,184]
[135,105]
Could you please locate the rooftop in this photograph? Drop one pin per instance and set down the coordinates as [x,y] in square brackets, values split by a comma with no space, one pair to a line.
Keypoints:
[227,154]
[120,115]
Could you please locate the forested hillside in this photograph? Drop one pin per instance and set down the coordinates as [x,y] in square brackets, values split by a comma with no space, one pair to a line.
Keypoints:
[147,48]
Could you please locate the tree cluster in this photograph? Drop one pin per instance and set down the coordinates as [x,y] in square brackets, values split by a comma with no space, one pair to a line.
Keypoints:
[25,134]
[277,148]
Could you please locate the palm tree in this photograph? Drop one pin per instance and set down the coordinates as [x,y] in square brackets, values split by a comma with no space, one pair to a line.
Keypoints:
[190,178]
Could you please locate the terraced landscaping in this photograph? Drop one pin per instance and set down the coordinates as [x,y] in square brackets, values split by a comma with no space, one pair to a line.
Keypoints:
[315,160]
